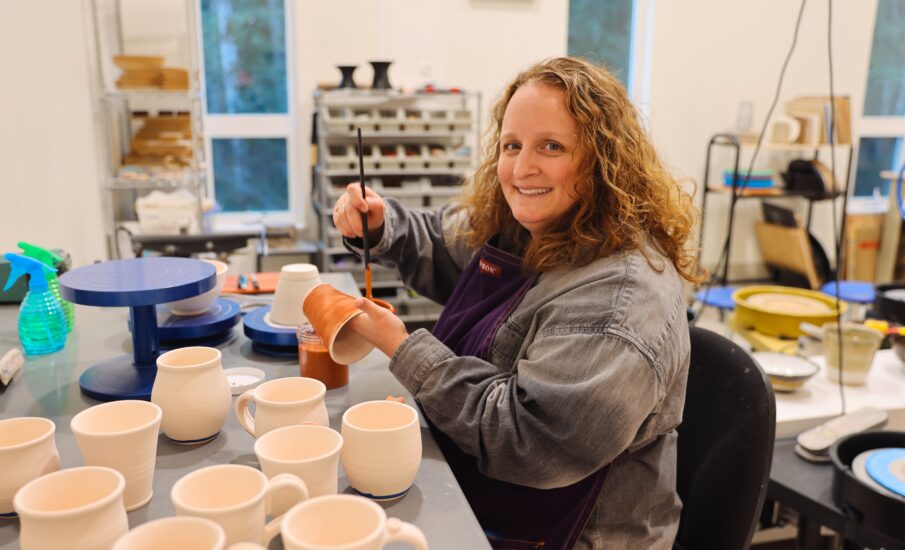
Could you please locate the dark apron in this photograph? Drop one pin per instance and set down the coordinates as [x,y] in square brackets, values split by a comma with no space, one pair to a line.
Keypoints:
[513,516]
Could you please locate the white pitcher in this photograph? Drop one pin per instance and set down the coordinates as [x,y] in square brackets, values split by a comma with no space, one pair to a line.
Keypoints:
[193,393]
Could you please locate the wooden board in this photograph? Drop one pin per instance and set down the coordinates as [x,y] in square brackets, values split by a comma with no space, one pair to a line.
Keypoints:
[787,248]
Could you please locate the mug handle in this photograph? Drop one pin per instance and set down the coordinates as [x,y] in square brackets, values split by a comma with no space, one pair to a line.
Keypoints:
[400,531]
[282,482]
[246,420]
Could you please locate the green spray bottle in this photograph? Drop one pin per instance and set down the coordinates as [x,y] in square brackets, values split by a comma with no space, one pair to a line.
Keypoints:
[42,323]
[50,259]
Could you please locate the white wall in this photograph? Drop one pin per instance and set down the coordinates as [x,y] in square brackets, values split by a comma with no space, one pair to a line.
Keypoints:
[49,192]
[707,56]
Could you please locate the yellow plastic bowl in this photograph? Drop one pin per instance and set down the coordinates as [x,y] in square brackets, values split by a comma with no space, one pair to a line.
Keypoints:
[780,321]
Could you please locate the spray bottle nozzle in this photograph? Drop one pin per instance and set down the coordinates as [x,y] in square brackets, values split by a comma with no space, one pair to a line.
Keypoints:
[20,265]
[47,257]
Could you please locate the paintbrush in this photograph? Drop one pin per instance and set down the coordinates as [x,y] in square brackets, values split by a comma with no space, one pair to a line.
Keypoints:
[364,220]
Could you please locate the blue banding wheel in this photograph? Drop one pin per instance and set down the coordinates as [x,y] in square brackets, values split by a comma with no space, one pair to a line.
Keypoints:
[222,316]
[859,292]
[280,352]
[887,467]
[118,378]
[137,282]
[260,331]
[717,296]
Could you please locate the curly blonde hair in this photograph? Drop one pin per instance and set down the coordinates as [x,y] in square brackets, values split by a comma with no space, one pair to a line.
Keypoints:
[625,195]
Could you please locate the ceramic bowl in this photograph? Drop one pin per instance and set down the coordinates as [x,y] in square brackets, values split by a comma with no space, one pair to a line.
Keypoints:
[786,372]
[196,305]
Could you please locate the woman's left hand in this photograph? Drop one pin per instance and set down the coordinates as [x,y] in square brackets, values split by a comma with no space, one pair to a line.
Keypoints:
[378,326]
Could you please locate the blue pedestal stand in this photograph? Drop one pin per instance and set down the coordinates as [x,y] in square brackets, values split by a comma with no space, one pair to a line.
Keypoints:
[268,339]
[139,284]
[208,329]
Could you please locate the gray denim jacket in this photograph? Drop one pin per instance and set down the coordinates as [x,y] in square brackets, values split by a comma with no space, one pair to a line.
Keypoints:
[592,363]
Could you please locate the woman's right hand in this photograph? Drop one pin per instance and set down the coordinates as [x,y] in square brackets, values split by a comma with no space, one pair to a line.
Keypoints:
[349,207]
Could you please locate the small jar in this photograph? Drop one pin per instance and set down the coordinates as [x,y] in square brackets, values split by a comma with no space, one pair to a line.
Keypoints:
[315,361]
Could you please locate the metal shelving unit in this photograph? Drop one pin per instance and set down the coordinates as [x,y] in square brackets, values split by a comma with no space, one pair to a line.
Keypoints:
[417,148]
[117,115]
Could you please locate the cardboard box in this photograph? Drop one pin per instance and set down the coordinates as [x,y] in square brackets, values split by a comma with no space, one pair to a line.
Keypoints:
[819,106]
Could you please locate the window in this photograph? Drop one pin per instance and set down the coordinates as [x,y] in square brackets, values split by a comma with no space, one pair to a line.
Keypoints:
[247,85]
[883,122]
[601,31]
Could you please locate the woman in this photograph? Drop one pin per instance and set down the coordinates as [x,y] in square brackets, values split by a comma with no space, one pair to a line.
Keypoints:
[555,377]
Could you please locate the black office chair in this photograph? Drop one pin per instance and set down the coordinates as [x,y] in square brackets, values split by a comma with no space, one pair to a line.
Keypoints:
[725,445]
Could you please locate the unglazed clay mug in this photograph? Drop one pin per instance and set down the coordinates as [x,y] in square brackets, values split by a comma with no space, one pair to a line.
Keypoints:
[309,452]
[178,533]
[381,448]
[347,522]
[74,509]
[238,498]
[282,402]
[294,283]
[196,305]
[329,311]
[122,435]
[193,393]
[27,451]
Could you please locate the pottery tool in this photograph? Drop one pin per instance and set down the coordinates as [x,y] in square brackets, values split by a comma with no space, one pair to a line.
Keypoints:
[254,282]
[10,364]
[364,220]
[242,281]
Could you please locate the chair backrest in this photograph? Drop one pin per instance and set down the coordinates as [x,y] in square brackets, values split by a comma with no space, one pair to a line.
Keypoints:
[725,445]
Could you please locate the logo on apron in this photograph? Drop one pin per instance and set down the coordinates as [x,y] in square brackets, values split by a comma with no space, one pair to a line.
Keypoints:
[490,269]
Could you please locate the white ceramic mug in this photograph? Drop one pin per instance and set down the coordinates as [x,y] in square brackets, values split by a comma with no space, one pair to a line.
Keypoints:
[381,448]
[178,533]
[236,497]
[74,509]
[122,435]
[196,305]
[27,451]
[309,452]
[347,522]
[283,402]
[193,393]
[294,283]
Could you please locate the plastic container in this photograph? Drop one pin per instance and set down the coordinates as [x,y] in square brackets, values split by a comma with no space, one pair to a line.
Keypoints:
[42,322]
[859,344]
[315,361]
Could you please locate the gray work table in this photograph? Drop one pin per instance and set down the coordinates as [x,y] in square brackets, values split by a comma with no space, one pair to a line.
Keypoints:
[48,387]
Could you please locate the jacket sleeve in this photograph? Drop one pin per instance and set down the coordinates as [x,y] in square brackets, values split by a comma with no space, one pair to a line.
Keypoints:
[572,405]
[420,245]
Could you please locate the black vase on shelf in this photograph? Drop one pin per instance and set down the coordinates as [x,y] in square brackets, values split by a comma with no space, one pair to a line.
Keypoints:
[381,75]
[347,81]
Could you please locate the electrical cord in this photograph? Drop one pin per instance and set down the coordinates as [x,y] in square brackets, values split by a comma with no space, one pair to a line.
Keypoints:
[738,190]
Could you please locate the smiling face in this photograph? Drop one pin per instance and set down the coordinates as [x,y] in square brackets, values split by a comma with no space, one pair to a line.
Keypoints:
[539,158]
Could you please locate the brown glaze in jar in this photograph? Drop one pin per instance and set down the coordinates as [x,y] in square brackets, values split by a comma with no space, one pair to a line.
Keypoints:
[315,361]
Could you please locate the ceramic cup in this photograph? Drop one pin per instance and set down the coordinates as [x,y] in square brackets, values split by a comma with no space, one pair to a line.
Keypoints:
[329,310]
[122,435]
[236,497]
[178,533]
[193,393]
[309,452]
[73,509]
[294,283]
[196,305]
[381,448]
[347,522]
[27,451]
[859,344]
[282,402]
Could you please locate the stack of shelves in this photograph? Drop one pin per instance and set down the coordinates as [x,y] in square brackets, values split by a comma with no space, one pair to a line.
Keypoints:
[417,148]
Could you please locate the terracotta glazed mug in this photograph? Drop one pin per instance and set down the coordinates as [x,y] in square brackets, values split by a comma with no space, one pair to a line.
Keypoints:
[294,283]
[193,393]
[238,498]
[27,451]
[381,448]
[122,435]
[196,305]
[347,522]
[282,402]
[309,452]
[329,310]
[73,509]
[178,533]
